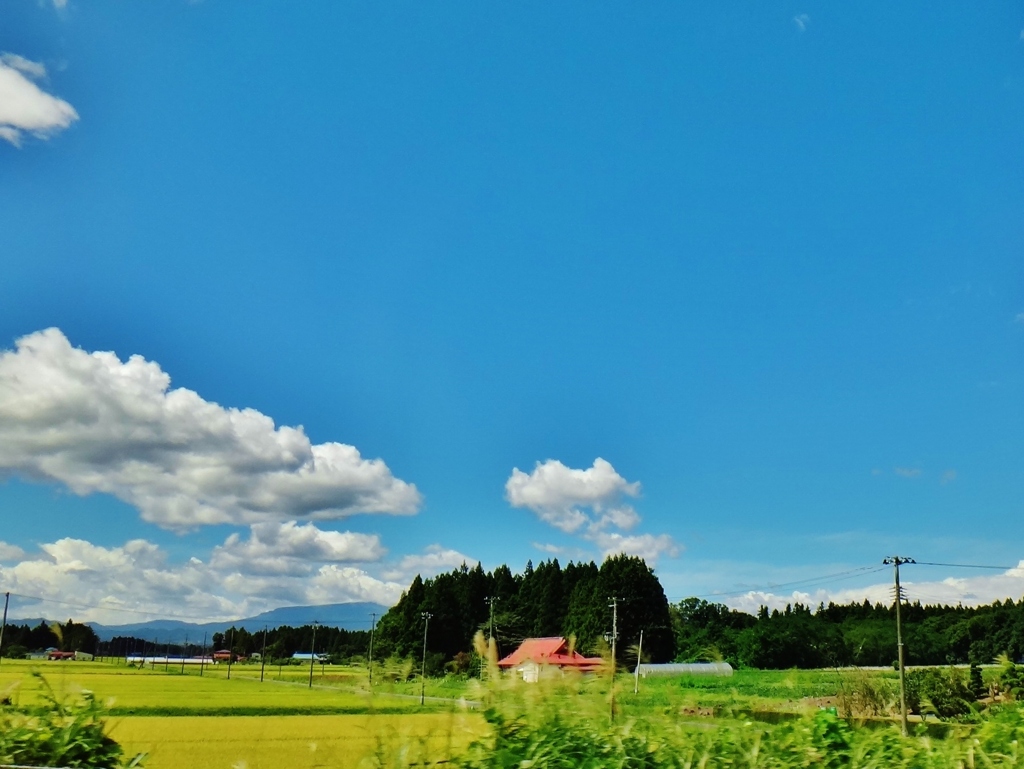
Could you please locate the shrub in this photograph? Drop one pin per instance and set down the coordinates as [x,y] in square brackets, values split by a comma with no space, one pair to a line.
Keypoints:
[942,692]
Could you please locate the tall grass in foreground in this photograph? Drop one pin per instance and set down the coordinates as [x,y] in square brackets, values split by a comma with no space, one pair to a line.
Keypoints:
[568,723]
[59,732]
[544,738]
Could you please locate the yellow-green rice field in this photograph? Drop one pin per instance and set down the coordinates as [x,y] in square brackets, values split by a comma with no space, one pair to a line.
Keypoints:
[191,721]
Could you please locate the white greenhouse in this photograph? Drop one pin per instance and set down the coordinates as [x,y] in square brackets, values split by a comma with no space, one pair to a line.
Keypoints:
[685,669]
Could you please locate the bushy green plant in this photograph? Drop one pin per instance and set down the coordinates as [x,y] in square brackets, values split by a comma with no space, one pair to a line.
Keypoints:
[60,732]
[940,691]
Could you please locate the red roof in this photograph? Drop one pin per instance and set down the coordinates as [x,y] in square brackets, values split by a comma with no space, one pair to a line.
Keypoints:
[549,651]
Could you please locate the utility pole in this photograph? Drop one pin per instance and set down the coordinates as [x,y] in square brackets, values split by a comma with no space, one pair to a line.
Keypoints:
[639,656]
[184,651]
[312,656]
[3,625]
[615,634]
[896,560]
[231,652]
[490,602]
[369,664]
[202,657]
[263,654]
[423,669]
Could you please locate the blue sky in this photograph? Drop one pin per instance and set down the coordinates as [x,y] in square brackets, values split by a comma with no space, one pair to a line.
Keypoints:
[764,260]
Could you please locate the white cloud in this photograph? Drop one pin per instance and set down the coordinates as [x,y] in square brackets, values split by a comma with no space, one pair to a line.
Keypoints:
[557,493]
[969,591]
[24,107]
[434,560]
[588,503]
[97,424]
[10,553]
[908,472]
[288,548]
[647,546]
[802,21]
[133,582]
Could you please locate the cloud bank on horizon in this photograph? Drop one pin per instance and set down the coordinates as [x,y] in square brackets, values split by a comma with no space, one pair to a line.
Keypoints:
[278,564]
[969,591]
[96,424]
[588,503]
[24,106]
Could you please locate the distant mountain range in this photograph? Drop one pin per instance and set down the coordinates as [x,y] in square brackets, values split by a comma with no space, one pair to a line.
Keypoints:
[349,616]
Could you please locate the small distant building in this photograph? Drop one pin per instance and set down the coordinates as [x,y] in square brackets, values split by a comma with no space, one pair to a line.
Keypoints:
[59,655]
[83,657]
[537,658]
[223,655]
[685,669]
[320,659]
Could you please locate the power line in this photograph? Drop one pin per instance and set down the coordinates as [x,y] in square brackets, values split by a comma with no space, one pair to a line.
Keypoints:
[809,581]
[967,565]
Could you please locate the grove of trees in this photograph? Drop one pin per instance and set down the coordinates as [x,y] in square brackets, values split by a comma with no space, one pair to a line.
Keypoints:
[543,601]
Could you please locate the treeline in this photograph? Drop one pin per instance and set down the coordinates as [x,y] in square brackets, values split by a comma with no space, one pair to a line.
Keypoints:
[70,636]
[575,601]
[850,634]
[280,643]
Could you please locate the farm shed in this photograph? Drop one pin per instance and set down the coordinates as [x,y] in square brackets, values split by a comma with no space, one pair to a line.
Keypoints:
[686,669]
[306,657]
[538,657]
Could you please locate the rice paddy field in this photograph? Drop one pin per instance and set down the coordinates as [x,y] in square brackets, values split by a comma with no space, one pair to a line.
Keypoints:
[186,720]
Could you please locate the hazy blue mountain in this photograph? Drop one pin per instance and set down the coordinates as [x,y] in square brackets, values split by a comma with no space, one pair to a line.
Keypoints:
[350,616]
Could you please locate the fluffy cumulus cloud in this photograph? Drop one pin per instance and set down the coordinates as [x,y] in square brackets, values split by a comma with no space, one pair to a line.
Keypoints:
[275,565]
[98,424]
[287,548]
[24,106]
[969,591]
[589,503]
[10,553]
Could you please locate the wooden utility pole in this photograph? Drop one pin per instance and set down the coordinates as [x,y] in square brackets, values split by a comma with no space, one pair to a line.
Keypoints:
[896,560]
[423,669]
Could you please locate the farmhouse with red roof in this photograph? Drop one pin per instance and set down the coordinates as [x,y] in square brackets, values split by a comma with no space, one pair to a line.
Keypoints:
[536,657]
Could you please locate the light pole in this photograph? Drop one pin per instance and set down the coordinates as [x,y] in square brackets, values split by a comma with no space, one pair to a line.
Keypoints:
[423,668]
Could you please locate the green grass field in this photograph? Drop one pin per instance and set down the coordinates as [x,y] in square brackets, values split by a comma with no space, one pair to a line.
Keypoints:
[209,721]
